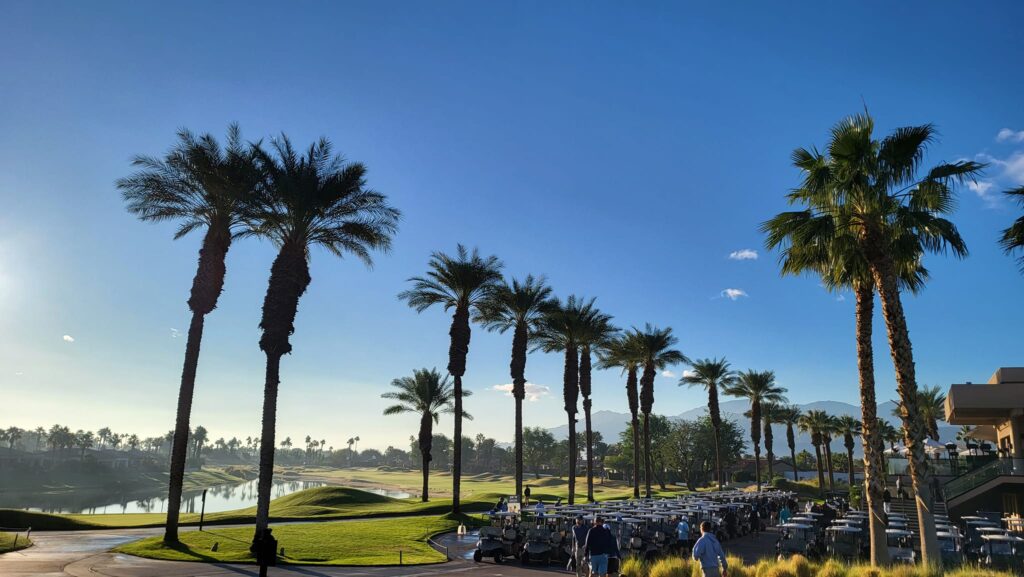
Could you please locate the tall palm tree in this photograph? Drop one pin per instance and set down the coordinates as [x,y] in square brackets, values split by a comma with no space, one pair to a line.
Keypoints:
[428,394]
[203,186]
[560,330]
[462,283]
[790,416]
[849,428]
[307,200]
[827,430]
[759,388]
[624,352]
[813,422]
[518,306]
[712,375]
[931,402]
[595,332]
[770,414]
[873,189]
[657,352]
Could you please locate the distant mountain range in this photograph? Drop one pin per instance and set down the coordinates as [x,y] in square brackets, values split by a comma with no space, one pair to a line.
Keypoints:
[611,424]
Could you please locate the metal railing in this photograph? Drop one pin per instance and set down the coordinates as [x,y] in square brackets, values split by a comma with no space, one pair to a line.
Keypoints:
[978,477]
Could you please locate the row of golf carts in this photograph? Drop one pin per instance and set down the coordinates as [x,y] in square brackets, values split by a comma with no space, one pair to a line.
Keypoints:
[644,528]
[977,539]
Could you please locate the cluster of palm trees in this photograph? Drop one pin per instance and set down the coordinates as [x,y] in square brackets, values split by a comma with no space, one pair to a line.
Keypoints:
[868,214]
[296,199]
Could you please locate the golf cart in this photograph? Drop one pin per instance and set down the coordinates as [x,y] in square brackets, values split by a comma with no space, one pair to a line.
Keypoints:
[843,541]
[796,539]
[950,547]
[900,549]
[543,544]
[499,540]
[1002,551]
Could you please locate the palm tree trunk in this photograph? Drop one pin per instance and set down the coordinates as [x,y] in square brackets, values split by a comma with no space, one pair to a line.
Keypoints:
[906,384]
[457,352]
[792,455]
[821,470]
[266,468]
[718,459]
[636,455]
[647,455]
[716,426]
[871,438]
[849,466]
[590,450]
[426,439]
[179,450]
[755,436]
[768,441]
[828,461]
[518,369]
[519,449]
[570,396]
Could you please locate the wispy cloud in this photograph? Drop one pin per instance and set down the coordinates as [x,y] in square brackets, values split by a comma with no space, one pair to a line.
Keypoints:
[175,333]
[668,374]
[69,339]
[734,293]
[1009,135]
[18,373]
[743,254]
[983,188]
[533,392]
[689,373]
[840,298]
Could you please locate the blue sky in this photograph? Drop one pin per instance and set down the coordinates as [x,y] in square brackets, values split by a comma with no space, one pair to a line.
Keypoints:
[625,151]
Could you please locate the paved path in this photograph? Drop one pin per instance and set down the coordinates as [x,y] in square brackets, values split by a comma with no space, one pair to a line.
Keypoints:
[86,554]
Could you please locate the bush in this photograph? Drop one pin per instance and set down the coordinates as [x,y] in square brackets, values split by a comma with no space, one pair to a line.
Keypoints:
[743,477]
[670,567]
[633,566]
[832,568]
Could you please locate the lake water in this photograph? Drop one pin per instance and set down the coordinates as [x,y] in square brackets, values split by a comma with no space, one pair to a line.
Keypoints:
[218,498]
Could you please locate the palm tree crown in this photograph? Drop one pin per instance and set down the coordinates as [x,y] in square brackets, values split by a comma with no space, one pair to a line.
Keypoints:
[425,393]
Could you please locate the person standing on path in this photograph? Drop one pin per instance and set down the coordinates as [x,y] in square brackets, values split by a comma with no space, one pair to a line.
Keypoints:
[526,496]
[579,543]
[708,552]
[600,546]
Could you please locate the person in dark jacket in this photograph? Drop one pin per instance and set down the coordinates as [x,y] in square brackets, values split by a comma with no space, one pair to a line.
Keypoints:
[600,546]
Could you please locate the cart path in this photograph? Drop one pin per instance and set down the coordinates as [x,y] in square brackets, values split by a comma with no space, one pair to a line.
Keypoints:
[87,554]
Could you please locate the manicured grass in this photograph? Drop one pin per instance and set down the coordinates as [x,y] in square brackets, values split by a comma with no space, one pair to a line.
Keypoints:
[7,542]
[366,542]
[797,566]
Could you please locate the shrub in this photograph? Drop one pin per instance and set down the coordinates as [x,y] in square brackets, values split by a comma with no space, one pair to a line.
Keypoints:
[800,566]
[633,567]
[669,567]
[832,568]
[743,477]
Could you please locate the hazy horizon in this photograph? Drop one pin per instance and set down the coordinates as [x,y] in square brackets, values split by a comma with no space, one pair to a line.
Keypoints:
[630,157]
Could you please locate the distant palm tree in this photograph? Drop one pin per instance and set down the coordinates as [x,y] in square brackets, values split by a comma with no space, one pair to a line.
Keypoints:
[560,330]
[595,332]
[202,185]
[712,374]
[814,422]
[931,402]
[1012,239]
[790,416]
[759,388]
[625,352]
[428,394]
[873,189]
[770,414]
[964,432]
[849,428]
[826,441]
[308,199]
[656,348]
[889,434]
[518,306]
[463,284]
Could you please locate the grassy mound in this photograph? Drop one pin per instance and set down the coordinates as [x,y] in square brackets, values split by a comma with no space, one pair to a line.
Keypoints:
[369,542]
[13,542]
[796,566]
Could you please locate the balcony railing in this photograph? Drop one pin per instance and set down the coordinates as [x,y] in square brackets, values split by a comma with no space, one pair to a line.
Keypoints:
[980,476]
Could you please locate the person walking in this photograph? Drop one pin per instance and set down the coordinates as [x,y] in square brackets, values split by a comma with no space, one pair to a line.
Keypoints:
[683,534]
[887,501]
[708,552]
[526,496]
[579,543]
[784,514]
[600,545]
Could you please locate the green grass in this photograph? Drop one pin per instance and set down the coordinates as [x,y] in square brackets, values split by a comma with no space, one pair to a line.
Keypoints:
[365,542]
[797,566]
[7,542]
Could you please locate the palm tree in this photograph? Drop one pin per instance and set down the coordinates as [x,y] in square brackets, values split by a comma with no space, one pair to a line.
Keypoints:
[759,388]
[712,374]
[595,332]
[625,352]
[656,349]
[560,330]
[931,402]
[1012,239]
[463,284]
[813,422]
[428,394]
[770,414]
[309,199]
[201,185]
[790,416]
[518,306]
[872,189]
[849,428]
[828,428]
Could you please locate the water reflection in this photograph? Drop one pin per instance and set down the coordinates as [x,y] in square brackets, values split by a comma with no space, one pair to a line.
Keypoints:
[218,498]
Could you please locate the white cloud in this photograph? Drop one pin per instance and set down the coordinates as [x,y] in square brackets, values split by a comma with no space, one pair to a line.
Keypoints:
[1008,135]
[668,374]
[983,188]
[734,293]
[19,373]
[533,392]
[689,373]
[69,339]
[175,333]
[743,254]
[840,298]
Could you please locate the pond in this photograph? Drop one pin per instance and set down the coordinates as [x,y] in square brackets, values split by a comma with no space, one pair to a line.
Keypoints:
[218,498]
